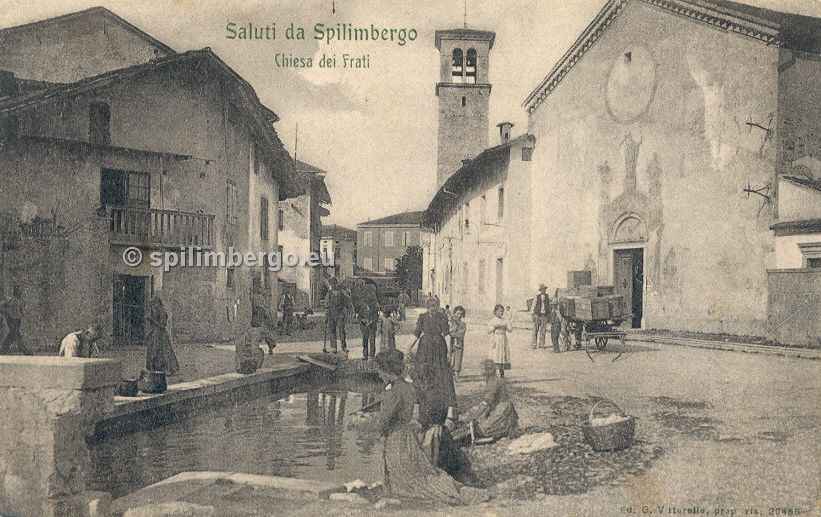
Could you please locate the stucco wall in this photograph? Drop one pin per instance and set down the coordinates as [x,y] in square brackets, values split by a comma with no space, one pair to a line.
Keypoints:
[683,97]
[459,254]
[787,253]
[794,304]
[71,49]
[797,203]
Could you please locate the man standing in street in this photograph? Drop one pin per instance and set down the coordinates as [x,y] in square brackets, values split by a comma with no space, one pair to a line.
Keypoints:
[337,304]
[541,317]
[368,319]
[286,305]
[404,300]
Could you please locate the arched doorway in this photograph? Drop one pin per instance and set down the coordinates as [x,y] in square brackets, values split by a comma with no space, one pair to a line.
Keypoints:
[627,241]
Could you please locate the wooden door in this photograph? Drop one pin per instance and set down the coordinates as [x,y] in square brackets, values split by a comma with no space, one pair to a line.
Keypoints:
[129,309]
[623,276]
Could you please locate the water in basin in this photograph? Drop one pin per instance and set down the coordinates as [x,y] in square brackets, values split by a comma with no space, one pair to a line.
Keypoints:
[301,435]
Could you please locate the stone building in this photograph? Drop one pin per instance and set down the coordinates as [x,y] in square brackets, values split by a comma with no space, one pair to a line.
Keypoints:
[300,229]
[381,241]
[338,245]
[171,153]
[648,133]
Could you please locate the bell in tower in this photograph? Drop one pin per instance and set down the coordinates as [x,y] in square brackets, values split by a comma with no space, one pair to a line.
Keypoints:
[464,97]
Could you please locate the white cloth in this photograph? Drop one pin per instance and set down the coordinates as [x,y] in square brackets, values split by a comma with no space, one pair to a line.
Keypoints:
[499,351]
[70,345]
[530,443]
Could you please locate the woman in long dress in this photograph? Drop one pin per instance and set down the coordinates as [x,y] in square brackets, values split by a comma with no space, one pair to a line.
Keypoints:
[499,348]
[407,470]
[159,355]
[458,329]
[431,372]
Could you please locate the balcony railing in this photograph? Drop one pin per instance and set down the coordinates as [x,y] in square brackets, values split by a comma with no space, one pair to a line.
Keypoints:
[161,228]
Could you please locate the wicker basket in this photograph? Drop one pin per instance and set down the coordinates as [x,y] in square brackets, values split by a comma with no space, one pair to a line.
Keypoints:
[610,437]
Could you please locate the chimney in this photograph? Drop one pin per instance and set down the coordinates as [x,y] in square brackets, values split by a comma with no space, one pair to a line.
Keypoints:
[466,161]
[8,84]
[504,131]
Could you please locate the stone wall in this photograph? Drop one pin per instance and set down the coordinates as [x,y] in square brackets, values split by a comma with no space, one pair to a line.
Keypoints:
[49,406]
[65,283]
[793,306]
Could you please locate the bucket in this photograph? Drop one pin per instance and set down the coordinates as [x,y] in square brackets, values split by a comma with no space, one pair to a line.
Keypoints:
[153,382]
[127,388]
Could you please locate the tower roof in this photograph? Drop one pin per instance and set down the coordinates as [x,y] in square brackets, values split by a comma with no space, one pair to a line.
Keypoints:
[464,35]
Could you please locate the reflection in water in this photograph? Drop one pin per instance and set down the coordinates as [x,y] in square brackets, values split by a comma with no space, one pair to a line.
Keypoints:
[301,436]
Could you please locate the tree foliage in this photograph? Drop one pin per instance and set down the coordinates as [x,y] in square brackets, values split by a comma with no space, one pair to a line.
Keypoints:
[409,268]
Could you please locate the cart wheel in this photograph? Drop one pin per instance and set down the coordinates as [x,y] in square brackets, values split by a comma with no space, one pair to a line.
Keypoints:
[601,343]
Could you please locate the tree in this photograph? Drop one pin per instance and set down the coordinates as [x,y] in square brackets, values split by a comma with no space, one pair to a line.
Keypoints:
[409,268]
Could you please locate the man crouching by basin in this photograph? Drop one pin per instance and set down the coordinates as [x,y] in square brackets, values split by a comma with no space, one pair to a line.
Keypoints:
[249,355]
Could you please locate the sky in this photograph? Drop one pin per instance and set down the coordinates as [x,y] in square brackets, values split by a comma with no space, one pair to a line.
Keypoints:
[374,131]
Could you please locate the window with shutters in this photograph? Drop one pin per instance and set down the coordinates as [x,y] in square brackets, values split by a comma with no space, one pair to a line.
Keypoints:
[388,264]
[231,202]
[389,239]
[367,263]
[263,218]
[500,216]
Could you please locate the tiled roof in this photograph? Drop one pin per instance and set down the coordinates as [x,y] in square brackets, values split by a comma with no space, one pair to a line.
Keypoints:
[248,97]
[804,182]
[338,232]
[87,13]
[404,219]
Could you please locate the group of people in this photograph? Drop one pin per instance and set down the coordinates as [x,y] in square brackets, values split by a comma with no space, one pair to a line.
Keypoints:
[422,435]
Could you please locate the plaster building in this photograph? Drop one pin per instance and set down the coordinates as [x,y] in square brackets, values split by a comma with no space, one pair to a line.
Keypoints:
[300,229]
[648,132]
[172,152]
[381,241]
[338,245]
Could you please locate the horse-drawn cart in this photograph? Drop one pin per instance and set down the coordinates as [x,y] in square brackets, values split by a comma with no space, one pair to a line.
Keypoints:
[590,319]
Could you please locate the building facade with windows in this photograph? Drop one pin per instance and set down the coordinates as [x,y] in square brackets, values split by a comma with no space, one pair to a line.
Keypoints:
[338,246]
[481,233]
[381,241]
[171,157]
[300,230]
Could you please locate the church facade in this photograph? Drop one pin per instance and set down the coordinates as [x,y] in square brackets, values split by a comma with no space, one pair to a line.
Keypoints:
[659,140]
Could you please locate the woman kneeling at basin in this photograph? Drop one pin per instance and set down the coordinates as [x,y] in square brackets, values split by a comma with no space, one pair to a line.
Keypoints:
[408,472]
[494,417]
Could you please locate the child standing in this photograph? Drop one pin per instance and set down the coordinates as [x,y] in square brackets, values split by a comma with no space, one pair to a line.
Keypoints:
[393,329]
[457,340]
[499,348]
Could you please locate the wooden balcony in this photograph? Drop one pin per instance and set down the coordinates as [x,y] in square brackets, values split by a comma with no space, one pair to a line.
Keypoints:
[161,228]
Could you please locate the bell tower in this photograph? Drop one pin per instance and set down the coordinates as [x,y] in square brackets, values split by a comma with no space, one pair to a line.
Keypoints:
[464,97]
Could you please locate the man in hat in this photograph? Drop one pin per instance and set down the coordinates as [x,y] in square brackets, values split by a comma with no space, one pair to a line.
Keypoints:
[541,317]
[337,302]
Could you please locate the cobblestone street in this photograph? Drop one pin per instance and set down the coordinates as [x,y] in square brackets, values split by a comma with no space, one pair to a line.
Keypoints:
[732,431]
